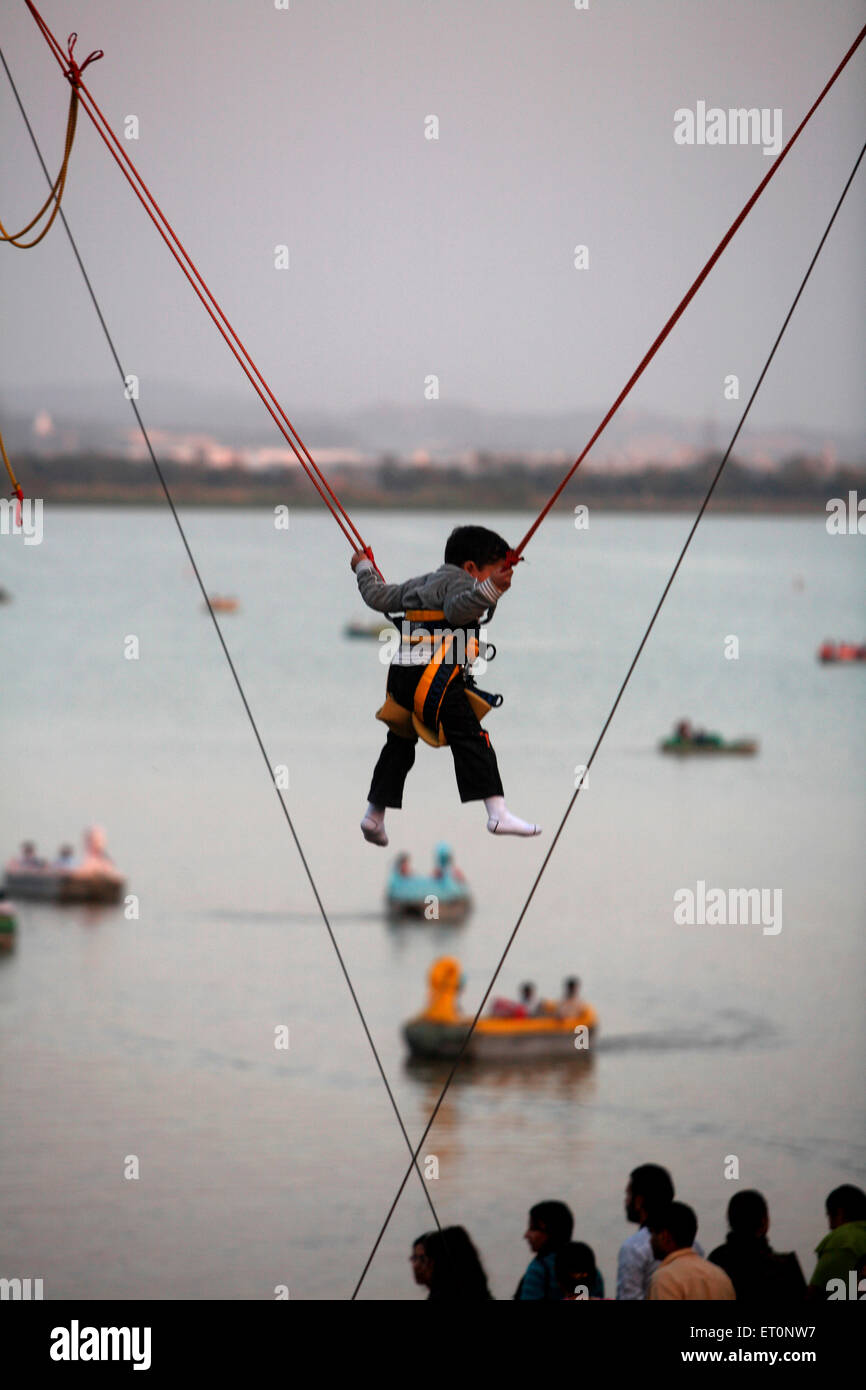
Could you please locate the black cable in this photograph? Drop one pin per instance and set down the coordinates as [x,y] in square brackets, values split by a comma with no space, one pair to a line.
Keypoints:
[607,722]
[240,689]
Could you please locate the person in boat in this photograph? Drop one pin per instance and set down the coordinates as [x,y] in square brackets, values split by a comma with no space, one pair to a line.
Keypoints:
[577,1274]
[525,1006]
[429,675]
[570,1005]
[703,739]
[684,732]
[548,1231]
[28,858]
[403,866]
[444,866]
[66,859]
[447,1263]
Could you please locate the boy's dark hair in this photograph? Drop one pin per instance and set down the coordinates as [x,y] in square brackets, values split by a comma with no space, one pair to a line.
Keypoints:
[746,1211]
[678,1220]
[850,1200]
[474,543]
[557,1221]
[653,1183]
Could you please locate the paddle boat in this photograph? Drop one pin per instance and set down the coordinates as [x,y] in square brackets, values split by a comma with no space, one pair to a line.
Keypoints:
[439,1032]
[441,896]
[92,878]
[7,923]
[685,740]
[832,652]
[357,628]
[222,603]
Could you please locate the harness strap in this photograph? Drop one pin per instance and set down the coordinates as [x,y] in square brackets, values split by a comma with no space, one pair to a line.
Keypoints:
[431,688]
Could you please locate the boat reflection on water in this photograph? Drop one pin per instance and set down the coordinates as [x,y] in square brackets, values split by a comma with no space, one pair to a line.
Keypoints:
[554,1092]
[551,1077]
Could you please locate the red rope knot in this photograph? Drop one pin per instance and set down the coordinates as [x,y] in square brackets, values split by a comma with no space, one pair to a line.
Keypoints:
[74,71]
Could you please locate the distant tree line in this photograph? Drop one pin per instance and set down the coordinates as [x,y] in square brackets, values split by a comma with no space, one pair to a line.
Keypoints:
[797,485]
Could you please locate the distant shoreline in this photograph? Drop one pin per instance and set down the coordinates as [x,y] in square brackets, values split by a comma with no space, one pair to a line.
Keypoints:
[223,502]
[799,487]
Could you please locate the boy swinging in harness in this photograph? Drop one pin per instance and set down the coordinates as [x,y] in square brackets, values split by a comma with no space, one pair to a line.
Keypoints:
[430,693]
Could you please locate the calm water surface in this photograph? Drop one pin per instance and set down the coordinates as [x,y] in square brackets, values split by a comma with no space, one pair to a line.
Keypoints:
[155,1037]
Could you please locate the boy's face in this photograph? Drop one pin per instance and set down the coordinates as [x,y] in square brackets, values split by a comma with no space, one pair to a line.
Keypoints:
[483,572]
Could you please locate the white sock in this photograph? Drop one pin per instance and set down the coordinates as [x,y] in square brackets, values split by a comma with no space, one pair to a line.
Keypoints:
[500,821]
[373,825]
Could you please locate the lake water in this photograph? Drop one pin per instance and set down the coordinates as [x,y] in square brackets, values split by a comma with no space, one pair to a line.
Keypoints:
[155,1037]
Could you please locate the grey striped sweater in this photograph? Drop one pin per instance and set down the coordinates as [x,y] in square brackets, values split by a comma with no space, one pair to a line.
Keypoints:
[462,599]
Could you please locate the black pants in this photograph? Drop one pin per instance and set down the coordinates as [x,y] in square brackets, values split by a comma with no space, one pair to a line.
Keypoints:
[475,763]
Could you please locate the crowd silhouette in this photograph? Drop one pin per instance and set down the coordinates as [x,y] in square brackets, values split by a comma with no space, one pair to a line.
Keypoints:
[662,1259]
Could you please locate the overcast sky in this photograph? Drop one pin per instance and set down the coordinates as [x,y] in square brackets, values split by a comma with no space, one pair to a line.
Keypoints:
[411,256]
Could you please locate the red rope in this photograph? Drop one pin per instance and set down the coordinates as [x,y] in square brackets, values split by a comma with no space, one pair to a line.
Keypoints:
[688,297]
[272,405]
[207,298]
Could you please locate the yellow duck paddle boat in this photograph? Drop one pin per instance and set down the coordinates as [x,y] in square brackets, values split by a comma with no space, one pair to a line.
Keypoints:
[439,1032]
